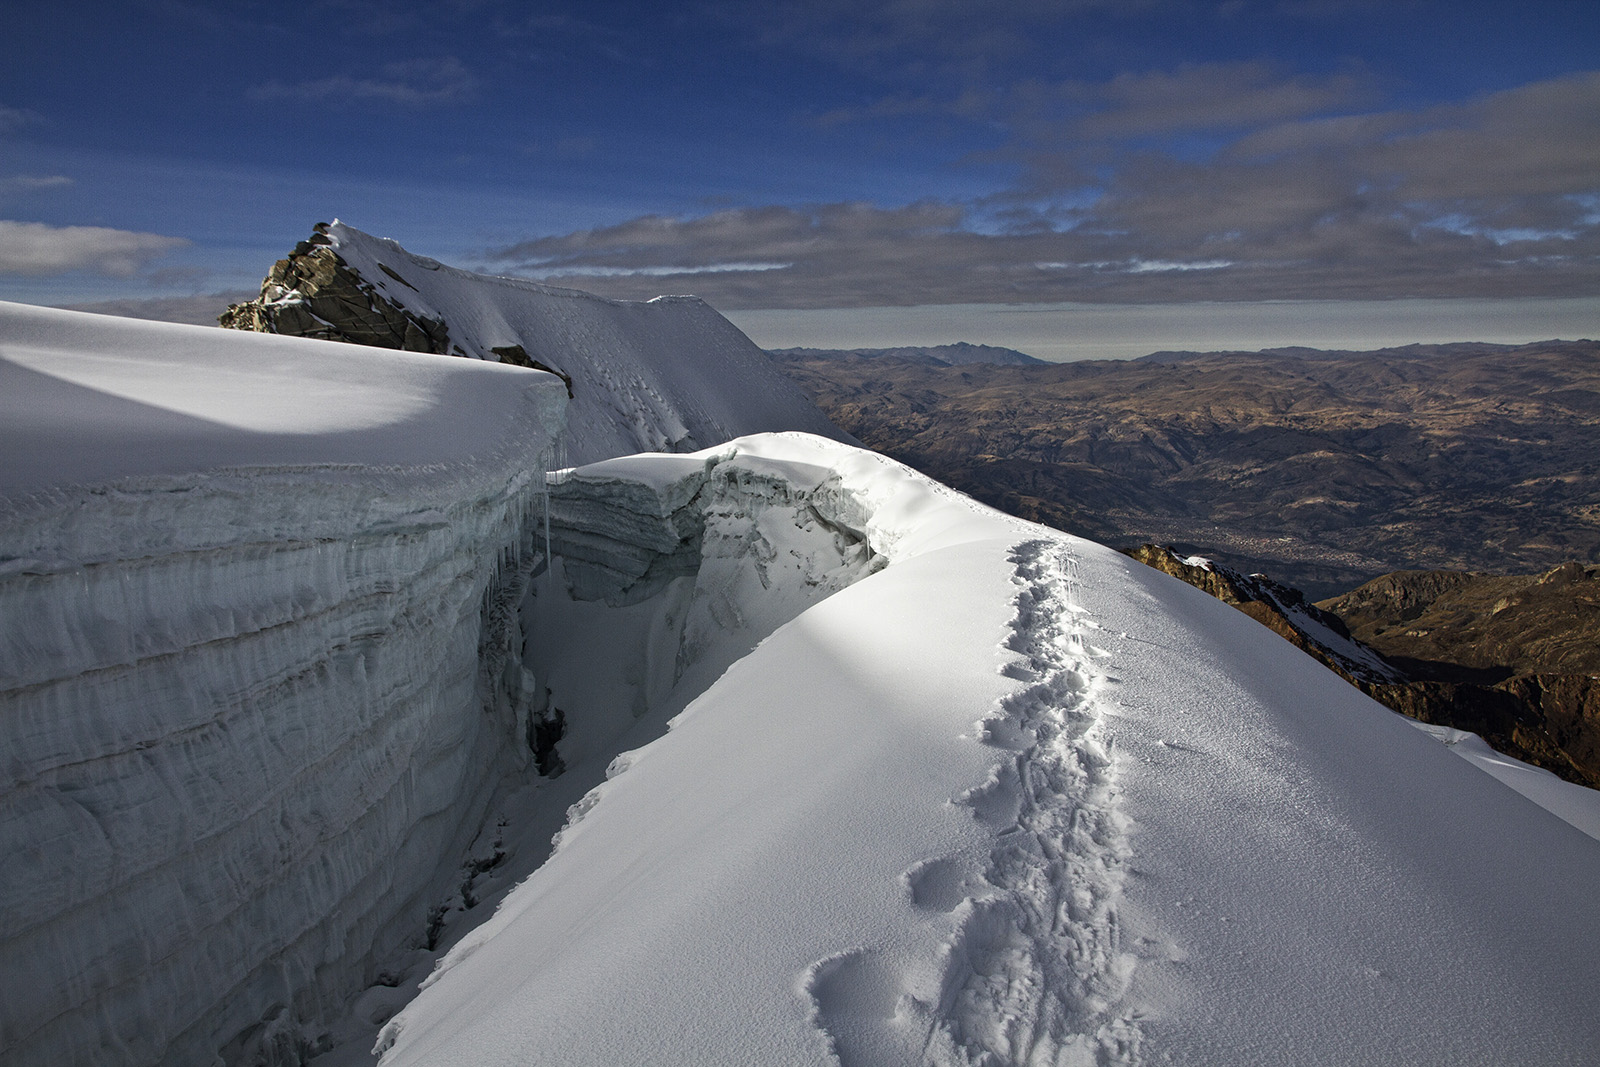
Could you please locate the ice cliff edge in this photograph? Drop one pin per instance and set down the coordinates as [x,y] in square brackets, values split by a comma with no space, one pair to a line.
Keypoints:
[256,643]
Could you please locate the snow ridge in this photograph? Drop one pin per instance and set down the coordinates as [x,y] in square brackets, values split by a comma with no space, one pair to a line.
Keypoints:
[1035,973]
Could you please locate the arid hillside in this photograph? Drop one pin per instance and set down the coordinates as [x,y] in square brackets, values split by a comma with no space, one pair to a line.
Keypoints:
[1451,626]
[1322,469]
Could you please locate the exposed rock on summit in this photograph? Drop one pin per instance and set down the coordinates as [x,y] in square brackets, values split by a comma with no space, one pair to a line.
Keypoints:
[314,293]
[662,375]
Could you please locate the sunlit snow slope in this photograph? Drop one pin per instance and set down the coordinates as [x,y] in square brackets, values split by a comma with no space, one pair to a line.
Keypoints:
[252,592]
[664,375]
[1016,799]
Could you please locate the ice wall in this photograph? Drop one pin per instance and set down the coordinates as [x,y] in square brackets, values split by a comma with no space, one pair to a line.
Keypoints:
[234,767]
[249,713]
[267,648]
[669,569]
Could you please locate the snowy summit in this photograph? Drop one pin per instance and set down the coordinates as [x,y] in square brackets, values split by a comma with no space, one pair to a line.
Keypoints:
[662,375]
[307,651]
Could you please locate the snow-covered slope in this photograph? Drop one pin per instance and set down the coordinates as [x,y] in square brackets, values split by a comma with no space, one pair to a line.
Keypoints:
[251,592]
[665,375]
[280,658]
[1013,798]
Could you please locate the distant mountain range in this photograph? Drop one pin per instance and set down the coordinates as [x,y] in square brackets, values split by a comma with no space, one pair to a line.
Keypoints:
[960,354]
[1322,469]
[1454,349]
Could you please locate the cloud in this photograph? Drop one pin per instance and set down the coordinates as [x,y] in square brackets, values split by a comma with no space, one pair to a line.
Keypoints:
[417,83]
[1498,196]
[13,119]
[1062,130]
[35,249]
[1211,96]
[199,310]
[23,184]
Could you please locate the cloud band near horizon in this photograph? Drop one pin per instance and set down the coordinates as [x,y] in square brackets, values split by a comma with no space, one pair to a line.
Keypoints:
[34,249]
[1290,198]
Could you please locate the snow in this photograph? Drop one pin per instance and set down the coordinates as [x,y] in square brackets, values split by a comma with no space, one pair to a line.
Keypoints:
[856,770]
[1366,662]
[88,399]
[1297,848]
[665,375]
[1013,799]
[1573,803]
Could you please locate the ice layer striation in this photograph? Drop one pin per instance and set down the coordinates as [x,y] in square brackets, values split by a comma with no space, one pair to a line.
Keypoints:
[247,709]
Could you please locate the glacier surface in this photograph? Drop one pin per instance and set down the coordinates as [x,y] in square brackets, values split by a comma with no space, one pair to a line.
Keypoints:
[851,769]
[1011,798]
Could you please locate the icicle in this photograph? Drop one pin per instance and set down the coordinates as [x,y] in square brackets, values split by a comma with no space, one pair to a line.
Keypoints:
[548,560]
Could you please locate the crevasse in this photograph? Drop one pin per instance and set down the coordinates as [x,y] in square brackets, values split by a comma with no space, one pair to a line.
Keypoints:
[255,718]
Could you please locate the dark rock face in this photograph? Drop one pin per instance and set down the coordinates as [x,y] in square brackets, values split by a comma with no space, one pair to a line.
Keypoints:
[1325,472]
[1513,659]
[314,293]
[1548,720]
[1281,609]
[518,356]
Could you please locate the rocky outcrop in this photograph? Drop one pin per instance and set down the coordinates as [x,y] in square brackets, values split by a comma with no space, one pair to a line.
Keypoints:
[1514,657]
[1281,609]
[1511,658]
[314,293]
[662,375]
[518,356]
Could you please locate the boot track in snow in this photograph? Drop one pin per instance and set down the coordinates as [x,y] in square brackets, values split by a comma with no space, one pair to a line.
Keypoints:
[1033,972]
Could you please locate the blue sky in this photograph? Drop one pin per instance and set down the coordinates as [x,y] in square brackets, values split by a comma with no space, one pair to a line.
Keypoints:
[816,156]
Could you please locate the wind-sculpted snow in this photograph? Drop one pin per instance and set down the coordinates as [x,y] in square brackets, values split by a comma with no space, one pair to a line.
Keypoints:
[1032,971]
[1037,973]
